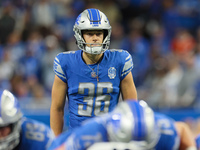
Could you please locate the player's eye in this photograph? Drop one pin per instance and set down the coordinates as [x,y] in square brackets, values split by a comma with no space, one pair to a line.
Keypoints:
[90,34]
[99,33]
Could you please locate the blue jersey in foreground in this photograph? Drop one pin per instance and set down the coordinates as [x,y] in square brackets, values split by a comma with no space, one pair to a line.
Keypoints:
[198,142]
[94,131]
[169,139]
[80,138]
[34,135]
[89,96]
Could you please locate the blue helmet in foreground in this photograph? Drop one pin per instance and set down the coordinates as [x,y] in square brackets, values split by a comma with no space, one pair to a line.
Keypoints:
[133,121]
[10,115]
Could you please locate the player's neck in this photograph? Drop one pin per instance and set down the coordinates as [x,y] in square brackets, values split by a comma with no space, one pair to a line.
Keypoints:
[92,58]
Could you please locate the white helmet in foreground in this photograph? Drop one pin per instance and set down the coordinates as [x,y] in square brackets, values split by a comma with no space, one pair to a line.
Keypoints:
[10,116]
[133,122]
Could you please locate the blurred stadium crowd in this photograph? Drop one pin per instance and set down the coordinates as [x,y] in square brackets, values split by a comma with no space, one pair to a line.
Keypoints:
[163,37]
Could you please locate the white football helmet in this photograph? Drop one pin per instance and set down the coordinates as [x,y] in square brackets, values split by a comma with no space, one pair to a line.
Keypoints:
[133,122]
[10,115]
[92,19]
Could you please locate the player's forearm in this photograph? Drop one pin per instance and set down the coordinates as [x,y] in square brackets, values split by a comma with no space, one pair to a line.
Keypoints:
[131,94]
[56,121]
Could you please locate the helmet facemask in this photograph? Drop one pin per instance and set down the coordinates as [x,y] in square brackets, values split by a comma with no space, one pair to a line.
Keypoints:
[10,141]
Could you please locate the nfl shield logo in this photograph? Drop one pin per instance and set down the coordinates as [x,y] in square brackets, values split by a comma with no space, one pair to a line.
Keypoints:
[111,72]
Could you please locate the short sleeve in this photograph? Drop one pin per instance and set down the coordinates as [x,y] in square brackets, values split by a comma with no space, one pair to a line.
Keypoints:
[127,64]
[57,67]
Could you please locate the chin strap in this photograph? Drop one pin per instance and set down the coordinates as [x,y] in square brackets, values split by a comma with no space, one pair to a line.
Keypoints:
[94,50]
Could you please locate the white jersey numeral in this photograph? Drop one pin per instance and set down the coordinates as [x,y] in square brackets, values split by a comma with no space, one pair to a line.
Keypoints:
[100,97]
[164,123]
[35,132]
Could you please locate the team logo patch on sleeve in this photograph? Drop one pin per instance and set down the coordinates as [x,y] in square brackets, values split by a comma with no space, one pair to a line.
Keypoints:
[112,72]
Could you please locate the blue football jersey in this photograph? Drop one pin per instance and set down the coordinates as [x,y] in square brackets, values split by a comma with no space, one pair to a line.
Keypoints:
[34,135]
[198,142]
[93,131]
[169,139]
[92,93]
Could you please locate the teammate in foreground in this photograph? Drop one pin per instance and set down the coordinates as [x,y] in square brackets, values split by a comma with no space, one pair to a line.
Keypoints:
[198,141]
[92,77]
[18,132]
[132,126]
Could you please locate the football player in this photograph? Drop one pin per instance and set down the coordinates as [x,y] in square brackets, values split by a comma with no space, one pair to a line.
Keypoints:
[133,126]
[18,132]
[92,77]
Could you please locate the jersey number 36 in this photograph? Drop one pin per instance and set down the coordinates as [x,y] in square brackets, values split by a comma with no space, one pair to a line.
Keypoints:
[100,97]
